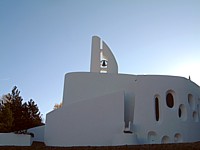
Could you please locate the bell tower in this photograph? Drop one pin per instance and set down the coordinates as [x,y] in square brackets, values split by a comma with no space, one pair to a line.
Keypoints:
[102,59]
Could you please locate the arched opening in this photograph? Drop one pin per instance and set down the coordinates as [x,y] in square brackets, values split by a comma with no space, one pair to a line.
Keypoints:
[170,100]
[178,138]
[103,63]
[165,139]
[182,112]
[152,136]
[195,116]
[157,115]
[191,101]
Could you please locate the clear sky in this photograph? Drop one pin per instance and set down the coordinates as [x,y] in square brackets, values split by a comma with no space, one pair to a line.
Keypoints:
[41,40]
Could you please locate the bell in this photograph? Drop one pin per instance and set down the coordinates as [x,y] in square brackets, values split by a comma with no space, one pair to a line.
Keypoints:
[104,63]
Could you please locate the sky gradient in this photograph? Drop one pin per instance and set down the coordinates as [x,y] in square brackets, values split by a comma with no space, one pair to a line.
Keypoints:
[41,40]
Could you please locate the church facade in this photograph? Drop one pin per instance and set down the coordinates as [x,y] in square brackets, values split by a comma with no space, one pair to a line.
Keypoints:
[105,108]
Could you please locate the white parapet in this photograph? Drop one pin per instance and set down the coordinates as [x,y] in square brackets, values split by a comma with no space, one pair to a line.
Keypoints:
[12,139]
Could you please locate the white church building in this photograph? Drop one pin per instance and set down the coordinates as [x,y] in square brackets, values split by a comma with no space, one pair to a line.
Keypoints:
[105,108]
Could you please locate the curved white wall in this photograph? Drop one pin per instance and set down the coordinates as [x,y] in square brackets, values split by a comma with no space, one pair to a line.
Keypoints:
[165,121]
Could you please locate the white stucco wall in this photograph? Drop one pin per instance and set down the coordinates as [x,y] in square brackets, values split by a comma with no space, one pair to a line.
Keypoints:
[83,92]
[90,122]
[80,86]
[38,133]
[170,124]
[11,139]
[151,109]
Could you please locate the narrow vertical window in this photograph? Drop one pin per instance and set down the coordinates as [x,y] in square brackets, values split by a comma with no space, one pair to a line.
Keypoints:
[191,101]
[170,100]
[182,112]
[179,112]
[157,108]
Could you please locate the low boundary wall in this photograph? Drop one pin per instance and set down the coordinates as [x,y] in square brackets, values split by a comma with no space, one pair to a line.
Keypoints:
[12,139]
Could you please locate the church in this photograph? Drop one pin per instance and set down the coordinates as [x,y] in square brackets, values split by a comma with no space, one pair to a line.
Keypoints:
[105,108]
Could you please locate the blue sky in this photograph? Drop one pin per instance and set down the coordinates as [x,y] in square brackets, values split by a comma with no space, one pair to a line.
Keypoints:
[41,40]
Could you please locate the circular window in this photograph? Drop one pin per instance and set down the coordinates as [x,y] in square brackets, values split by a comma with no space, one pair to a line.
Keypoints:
[170,100]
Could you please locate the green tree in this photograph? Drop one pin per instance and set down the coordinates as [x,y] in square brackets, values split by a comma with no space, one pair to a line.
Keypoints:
[6,118]
[34,115]
[16,115]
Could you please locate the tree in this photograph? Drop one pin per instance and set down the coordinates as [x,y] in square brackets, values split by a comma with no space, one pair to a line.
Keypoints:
[6,118]
[56,106]
[34,116]
[16,115]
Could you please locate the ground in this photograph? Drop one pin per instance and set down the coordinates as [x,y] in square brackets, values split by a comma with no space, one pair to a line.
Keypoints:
[41,146]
